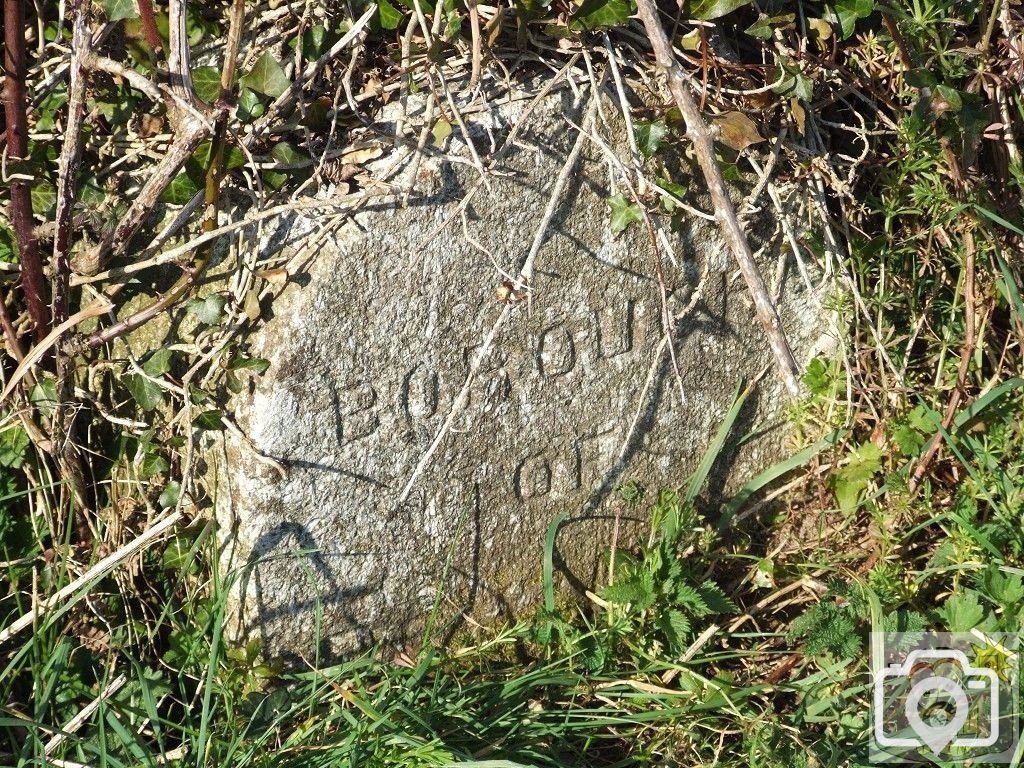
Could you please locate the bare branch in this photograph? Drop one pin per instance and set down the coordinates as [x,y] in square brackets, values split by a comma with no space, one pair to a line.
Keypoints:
[725,213]
[15,99]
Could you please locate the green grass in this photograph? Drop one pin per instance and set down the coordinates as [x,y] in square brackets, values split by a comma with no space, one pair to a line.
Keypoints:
[737,634]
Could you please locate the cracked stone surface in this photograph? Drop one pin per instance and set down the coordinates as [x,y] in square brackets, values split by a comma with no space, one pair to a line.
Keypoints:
[371,352]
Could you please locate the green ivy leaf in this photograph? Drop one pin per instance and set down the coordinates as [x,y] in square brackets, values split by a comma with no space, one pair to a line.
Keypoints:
[794,82]
[158,363]
[209,310]
[600,14]
[210,420]
[50,108]
[624,213]
[441,131]
[676,190]
[288,154]
[207,83]
[847,12]
[154,464]
[180,190]
[650,135]
[765,26]
[120,9]
[169,497]
[249,106]
[313,41]
[266,77]
[705,10]
[8,247]
[388,16]
[257,364]
[233,156]
[44,198]
[147,393]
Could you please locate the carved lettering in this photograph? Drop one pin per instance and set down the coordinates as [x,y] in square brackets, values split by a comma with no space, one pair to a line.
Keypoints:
[595,457]
[556,351]
[420,393]
[356,406]
[614,327]
[532,478]
[548,472]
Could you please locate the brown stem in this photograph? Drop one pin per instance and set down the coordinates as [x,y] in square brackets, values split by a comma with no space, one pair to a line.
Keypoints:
[725,213]
[148,19]
[15,99]
[966,352]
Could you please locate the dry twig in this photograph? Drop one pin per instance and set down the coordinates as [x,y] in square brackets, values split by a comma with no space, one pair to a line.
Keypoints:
[699,133]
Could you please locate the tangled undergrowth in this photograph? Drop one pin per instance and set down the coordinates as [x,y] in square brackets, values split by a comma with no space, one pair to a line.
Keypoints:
[139,143]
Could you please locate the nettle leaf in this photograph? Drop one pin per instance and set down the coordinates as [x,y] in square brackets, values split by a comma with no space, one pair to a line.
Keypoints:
[715,598]
[266,77]
[388,16]
[209,310]
[599,14]
[636,590]
[120,9]
[146,392]
[650,135]
[207,83]
[624,213]
[13,446]
[962,612]
[180,190]
[705,10]
[675,625]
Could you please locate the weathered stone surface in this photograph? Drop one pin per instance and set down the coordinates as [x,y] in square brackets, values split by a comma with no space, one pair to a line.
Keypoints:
[576,394]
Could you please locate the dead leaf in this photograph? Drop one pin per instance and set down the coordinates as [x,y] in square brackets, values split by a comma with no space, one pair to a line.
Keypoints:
[252,305]
[799,115]
[276,277]
[819,30]
[360,155]
[442,130]
[737,131]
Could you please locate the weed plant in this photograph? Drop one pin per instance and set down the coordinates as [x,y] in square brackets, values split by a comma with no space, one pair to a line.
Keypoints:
[737,633]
